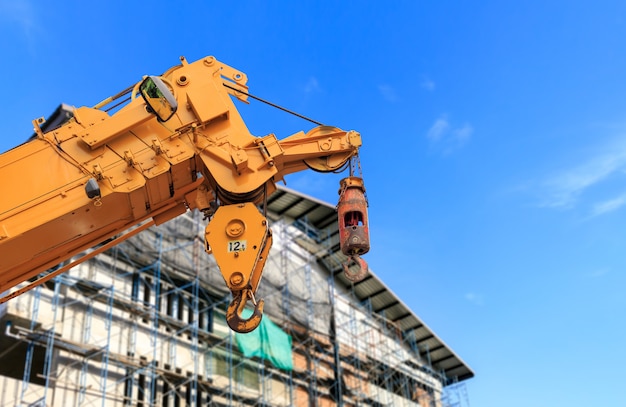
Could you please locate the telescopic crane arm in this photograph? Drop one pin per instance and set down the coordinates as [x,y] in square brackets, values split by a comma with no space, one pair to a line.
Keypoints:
[178,144]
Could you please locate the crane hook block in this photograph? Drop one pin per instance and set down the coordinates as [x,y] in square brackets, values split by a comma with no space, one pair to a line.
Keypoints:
[353,227]
[352,214]
[236,307]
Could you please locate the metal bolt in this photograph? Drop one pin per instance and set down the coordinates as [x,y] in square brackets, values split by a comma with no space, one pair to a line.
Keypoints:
[236,278]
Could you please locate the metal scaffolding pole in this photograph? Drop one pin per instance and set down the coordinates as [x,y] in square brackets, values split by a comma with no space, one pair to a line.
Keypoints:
[149,325]
[28,363]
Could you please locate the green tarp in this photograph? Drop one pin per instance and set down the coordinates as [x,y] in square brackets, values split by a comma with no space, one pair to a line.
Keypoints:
[268,342]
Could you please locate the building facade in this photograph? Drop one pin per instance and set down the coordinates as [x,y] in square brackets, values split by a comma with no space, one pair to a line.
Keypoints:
[143,325]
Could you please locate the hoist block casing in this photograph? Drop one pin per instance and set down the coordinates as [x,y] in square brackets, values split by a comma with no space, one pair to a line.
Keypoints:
[237,236]
[352,213]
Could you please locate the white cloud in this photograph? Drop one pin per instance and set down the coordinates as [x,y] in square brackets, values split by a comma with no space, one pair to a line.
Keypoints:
[20,12]
[427,84]
[312,86]
[607,206]
[446,138]
[463,134]
[389,93]
[598,273]
[565,189]
[438,130]
[474,298]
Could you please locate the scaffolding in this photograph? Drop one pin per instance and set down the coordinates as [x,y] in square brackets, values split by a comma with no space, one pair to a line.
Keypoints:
[143,324]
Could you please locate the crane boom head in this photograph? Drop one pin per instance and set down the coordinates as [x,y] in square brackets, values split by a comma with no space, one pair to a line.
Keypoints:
[177,142]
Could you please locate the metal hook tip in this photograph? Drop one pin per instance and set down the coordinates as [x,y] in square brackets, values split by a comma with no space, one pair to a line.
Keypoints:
[355,275]
[233,317]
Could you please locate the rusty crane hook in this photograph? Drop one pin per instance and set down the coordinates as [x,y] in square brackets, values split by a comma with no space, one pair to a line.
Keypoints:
[233,313]
[358,274]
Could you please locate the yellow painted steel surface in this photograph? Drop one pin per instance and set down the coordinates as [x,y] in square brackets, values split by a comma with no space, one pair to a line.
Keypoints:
[237,236]
[147,169]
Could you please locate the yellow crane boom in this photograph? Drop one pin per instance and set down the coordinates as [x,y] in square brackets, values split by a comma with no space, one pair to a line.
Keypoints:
[179,143]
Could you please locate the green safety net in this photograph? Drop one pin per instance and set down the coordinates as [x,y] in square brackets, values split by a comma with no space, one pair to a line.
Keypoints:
[268,342]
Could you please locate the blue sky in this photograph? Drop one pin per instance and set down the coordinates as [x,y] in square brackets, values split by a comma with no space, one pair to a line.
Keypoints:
[494,151]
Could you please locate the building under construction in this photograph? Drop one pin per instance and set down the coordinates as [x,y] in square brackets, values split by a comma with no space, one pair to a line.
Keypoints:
[143,325]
